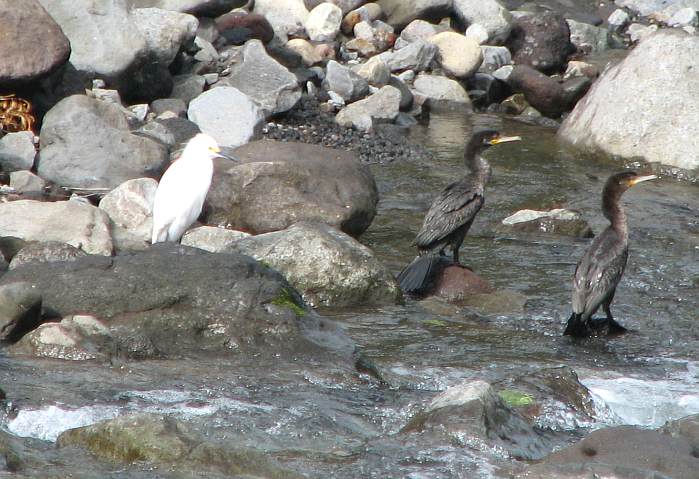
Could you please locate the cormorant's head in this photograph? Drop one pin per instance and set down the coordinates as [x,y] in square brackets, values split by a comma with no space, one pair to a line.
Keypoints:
[482,139]
[625,180]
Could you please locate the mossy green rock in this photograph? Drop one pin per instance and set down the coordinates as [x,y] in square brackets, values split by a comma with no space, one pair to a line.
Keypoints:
[164,440]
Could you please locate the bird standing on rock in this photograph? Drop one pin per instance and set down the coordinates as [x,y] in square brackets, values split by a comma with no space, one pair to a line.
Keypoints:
[451,215]
[183,188]
[599,271]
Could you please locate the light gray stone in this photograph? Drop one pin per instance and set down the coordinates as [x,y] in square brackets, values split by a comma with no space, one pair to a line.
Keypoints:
[588,38]
[80,225]
[212,238]
[264,80]
[86,143]
[17,151]
[130,209]
[323,22]
[618,19]
[441,92]
[399,13]
[684,17]
[346,83]
[638,32]
[494,58]
[203,8]
[414,31]
[416,56]
[228,115]
[652,97]
[26,182]
[375,71]
[328,267]
[490,14]
[478,33]
[285,16]
[164,31]
[104,40]
[381,107]
[459,56]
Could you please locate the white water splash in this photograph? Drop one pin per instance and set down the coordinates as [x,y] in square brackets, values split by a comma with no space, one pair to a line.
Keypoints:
[49,422]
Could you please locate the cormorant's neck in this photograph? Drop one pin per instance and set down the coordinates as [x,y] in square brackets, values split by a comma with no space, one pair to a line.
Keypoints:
[478,165]
[613,211]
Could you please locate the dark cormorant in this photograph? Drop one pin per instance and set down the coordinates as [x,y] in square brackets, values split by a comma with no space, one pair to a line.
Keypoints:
[601,267]
[450,216]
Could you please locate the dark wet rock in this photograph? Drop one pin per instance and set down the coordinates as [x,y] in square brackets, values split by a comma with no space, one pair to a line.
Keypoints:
[328,267]
[307,123]
[343,81]
[625,452]
[406,96]
[494,58]
[542,92]
[558,221]
[130,210]
[45,252]
[171,299]
[588,38]
[550,393]
[75,338]
[401,12]
[181,129]
[441,93]
[204,8]
[490,14]
[473,409]
[105,43]
[458,282]
[484,89]
[27,182]
[187,86]
[541,41]
[264,80]
[86,143]
[239,27]
[277,184]
[230,116]
[600,120]
[212,238]
[574,89]
[17,151]
[165,441]
[176,106]
[381,107]
[44,46]
[416,56]
[20,310]
[78,224]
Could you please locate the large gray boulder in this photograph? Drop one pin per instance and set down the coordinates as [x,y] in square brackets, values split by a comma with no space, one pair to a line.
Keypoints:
[171,299]
[401,12]
[277,184]
[76,223]
[106,43]
[381,107]
[44,46]
[164,31]
[86,143]
[204,8]
[632,110]
[490,14]
[328,267]
[230,116]
[263,79]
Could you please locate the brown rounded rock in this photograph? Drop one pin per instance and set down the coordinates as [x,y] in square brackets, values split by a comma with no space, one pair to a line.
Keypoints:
[239,27]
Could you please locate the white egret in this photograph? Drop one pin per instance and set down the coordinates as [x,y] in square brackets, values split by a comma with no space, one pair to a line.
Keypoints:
[183,188]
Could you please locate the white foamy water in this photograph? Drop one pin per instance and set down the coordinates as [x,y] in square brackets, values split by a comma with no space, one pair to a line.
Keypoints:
[49,422]
[645,402]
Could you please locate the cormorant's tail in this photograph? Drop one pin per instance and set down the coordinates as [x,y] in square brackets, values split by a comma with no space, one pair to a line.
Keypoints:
[577,327]
[419,277]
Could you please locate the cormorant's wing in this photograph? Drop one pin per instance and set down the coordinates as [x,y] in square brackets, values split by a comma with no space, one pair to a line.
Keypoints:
[455,206]
[598,273]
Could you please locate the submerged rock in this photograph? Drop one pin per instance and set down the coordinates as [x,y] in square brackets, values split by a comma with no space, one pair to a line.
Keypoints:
[277,184]
[473,409]
[78,224]
[655,81]
[165,441]
[171,299]
[325,265]
[558,221]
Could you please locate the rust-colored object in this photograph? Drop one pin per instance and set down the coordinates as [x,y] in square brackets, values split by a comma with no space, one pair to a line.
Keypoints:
[16,114]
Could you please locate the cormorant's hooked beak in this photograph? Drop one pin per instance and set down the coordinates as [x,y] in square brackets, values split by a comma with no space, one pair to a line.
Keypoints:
[640,179]
[504,139]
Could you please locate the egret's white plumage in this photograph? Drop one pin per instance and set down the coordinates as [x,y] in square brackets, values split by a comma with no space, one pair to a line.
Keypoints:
[183,188]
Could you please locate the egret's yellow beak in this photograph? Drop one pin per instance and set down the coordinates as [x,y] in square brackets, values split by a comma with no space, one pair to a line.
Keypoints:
[504,139]
[215,149]
[640,179]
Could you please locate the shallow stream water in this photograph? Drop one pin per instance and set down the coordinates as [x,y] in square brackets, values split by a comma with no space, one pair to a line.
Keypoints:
[332,423]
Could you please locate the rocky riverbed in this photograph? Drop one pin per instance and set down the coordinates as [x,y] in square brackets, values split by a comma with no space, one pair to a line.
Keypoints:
[274,341]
